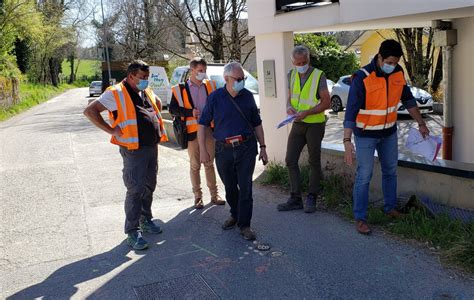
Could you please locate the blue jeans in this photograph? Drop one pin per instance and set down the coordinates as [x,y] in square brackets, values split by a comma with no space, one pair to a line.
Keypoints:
[387,149]
[235,166]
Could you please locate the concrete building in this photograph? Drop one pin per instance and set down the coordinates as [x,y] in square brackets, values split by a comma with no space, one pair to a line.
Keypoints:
[273,31]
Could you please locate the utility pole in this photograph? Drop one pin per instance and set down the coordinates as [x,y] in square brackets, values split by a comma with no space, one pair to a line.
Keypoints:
[105,44]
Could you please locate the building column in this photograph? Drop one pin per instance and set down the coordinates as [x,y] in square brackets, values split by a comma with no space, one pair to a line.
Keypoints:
[277,47]
[462,91]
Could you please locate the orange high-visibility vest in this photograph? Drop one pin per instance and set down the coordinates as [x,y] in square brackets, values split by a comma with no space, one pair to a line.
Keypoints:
[381,101]
[127,118]
[181,95]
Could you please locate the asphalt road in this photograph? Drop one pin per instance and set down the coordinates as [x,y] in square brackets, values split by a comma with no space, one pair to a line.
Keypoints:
[62,218]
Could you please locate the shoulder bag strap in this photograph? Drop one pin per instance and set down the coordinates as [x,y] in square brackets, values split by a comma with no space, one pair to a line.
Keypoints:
[241,113]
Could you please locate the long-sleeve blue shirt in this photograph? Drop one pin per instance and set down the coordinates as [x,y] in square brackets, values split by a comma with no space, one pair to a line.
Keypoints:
[356,101]
[227,119]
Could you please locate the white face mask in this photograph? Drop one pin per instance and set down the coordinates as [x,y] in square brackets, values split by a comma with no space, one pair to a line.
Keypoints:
[302,69]
[239,85]
[201,76]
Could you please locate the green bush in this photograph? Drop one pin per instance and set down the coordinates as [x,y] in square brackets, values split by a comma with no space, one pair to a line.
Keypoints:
[276,174]
[327,55]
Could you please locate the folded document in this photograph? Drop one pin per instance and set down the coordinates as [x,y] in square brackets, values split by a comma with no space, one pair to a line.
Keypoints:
[287,120]
[428,146]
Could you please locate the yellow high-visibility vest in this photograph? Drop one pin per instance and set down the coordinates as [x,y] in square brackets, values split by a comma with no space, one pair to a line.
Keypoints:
[306,98]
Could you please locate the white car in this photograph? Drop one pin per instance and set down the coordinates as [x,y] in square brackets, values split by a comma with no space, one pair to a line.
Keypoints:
[340,93]
[330,84]
[95,88]
[215,72]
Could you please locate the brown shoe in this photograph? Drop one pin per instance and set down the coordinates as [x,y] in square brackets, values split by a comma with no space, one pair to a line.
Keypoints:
[198,204]
[362,227]
[394,214]
[229,223]
[217,200]
[248,234]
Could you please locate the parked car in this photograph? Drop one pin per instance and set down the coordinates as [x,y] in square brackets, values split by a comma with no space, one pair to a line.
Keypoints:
[95,88]
[330,84]
[215,72]
[340,93]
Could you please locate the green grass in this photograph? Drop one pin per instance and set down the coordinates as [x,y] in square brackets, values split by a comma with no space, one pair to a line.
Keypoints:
[31,95]
[87,70]
[453,239]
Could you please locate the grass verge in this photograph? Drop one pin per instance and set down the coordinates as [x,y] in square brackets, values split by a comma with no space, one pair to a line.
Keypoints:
[453,240]
[87,68]
[33,94]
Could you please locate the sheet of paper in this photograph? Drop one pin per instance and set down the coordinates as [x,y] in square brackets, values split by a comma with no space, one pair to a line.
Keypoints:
[287,120]
[427,147]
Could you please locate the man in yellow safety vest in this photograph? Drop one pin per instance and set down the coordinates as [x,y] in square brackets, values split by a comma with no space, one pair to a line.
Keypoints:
[308,98]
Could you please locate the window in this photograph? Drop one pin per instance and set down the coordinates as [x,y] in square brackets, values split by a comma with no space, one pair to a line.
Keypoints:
[283,6]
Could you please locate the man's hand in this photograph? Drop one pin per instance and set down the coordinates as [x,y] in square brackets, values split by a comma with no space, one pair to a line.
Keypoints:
[349,153]
[117,131]
[204,157]
[424,130]
[263,156]
[290,110]
[301,115]
[196,113]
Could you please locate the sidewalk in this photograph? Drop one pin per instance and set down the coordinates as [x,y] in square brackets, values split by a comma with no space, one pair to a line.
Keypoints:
[69,243]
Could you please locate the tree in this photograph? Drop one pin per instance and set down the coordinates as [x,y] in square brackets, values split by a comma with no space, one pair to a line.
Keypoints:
[327,55]
[140,28]
[22,54]
[19,21]
[215,24]
[75,17]
[109,38]
[418,54]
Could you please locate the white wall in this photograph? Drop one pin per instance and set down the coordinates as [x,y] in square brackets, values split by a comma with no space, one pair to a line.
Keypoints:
[463,93]
[277,47]
[274,40]
[354,15]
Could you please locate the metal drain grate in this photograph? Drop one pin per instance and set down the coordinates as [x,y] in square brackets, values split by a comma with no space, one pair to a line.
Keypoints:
[436,209]
[186,287]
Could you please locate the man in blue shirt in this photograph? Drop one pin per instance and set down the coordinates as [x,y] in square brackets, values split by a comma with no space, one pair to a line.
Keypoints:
[237,128]
[371,114]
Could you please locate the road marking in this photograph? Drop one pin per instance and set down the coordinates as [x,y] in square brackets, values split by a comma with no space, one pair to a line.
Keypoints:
[205,250]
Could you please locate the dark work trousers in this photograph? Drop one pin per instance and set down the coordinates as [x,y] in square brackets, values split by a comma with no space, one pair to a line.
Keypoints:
[301,134]
[235,166]
[139,176]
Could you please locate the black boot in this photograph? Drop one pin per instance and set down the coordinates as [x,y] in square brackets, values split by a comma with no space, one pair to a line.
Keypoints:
[294,202]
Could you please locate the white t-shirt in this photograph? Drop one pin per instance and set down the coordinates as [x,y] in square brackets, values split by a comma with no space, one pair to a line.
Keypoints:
[107,99]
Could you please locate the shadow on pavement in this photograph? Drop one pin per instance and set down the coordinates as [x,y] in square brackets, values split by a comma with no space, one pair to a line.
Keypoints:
[61,284]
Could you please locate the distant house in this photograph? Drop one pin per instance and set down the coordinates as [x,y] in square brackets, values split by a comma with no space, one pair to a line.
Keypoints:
[367,44]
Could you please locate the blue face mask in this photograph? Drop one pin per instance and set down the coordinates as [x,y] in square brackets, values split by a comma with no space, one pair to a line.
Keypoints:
[238,85]
[387,69]
[302,69]
[143,84]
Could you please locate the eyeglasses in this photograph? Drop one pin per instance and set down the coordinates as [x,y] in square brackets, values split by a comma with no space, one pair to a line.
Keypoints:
[239,79]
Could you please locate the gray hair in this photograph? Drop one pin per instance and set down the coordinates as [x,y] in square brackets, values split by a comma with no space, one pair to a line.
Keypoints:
[230,67]
[300,50]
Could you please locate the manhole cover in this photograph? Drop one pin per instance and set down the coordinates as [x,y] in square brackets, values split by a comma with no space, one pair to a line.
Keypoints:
[186,287]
